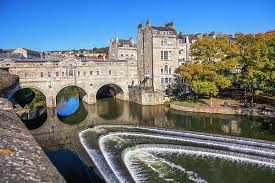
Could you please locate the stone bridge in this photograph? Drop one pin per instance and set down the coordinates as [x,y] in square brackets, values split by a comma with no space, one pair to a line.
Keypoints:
[51,76]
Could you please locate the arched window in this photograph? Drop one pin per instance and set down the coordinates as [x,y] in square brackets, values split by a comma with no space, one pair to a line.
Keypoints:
[166,69]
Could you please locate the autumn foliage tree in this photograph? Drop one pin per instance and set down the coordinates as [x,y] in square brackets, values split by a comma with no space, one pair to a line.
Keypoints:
[214,68]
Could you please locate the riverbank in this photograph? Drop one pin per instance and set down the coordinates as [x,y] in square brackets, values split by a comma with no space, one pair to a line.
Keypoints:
[22,159]
[222,107]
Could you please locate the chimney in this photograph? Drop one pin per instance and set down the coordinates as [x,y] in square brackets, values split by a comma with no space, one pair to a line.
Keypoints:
[140,26]
[132,40]
[170,25]
[148,23]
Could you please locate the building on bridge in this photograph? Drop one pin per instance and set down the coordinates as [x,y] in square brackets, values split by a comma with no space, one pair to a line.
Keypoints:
[122,49]
[51,76]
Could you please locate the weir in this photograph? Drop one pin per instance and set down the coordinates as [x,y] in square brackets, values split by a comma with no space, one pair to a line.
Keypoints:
[144,150]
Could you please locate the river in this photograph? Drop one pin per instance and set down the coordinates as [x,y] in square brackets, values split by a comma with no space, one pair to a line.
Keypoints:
[58,136]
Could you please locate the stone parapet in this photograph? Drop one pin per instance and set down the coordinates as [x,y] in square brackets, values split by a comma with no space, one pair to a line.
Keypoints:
[21,158]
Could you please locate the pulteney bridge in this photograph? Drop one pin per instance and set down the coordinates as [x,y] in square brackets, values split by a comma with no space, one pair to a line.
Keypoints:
[51,76]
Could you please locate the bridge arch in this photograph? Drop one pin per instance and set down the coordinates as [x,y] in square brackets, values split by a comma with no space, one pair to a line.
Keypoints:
[110,90]
[83,94]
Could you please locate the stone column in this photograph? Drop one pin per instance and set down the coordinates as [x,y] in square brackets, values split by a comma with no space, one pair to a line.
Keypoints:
[89,99]
[50,101]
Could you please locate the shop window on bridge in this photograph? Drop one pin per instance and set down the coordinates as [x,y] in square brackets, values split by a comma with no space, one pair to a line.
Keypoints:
[91,72]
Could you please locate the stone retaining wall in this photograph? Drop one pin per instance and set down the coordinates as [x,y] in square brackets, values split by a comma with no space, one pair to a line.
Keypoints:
[223,110]
[144,97]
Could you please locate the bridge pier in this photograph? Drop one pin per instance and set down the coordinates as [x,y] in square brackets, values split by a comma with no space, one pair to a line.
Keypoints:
[89,99]
[50,101]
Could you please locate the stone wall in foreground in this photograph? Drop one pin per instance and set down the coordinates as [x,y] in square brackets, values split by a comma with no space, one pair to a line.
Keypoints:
[21,158]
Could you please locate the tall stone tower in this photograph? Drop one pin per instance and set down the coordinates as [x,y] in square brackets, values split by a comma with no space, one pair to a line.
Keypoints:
[156,55]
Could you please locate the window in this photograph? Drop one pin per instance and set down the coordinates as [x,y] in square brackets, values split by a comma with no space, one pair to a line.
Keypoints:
[84,73]
[165,55]
[121,55]
[41,74]
[110,72]
[78,73]
[164,42]
[166,80]
[49,74]
[170,80]
[166,69]
[161,70]
[91,72]
[71,72]
[170,70]
[57,74]
[63,73]
[162,80]
[97,72]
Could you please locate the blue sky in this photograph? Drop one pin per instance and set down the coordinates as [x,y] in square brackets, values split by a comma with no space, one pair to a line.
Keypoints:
[68,24]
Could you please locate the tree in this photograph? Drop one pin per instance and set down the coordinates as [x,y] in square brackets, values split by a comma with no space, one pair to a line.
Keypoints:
[258,63]
[208,49]
[205,88]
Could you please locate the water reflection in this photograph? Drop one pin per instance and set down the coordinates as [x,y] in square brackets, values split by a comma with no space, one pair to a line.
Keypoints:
[72,112]
[67,106]
[111,111]
[70,108]
[33,107]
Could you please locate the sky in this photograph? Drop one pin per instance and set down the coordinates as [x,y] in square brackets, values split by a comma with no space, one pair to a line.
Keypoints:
[72,24]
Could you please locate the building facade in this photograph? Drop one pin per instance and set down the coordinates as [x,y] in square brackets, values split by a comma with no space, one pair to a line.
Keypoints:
[122,49]
[157,55]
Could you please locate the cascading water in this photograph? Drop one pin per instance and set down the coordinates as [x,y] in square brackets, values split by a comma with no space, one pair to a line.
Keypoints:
[138,154]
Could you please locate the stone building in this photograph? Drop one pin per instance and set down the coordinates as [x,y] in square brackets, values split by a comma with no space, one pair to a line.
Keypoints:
[122,49]
[184,43]
[26,53]
[157,55]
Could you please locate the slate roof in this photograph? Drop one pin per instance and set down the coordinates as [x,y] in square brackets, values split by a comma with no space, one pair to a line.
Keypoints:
[125,42]
[161,28]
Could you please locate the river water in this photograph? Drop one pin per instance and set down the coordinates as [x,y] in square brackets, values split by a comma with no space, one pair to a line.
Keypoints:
[57,137]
